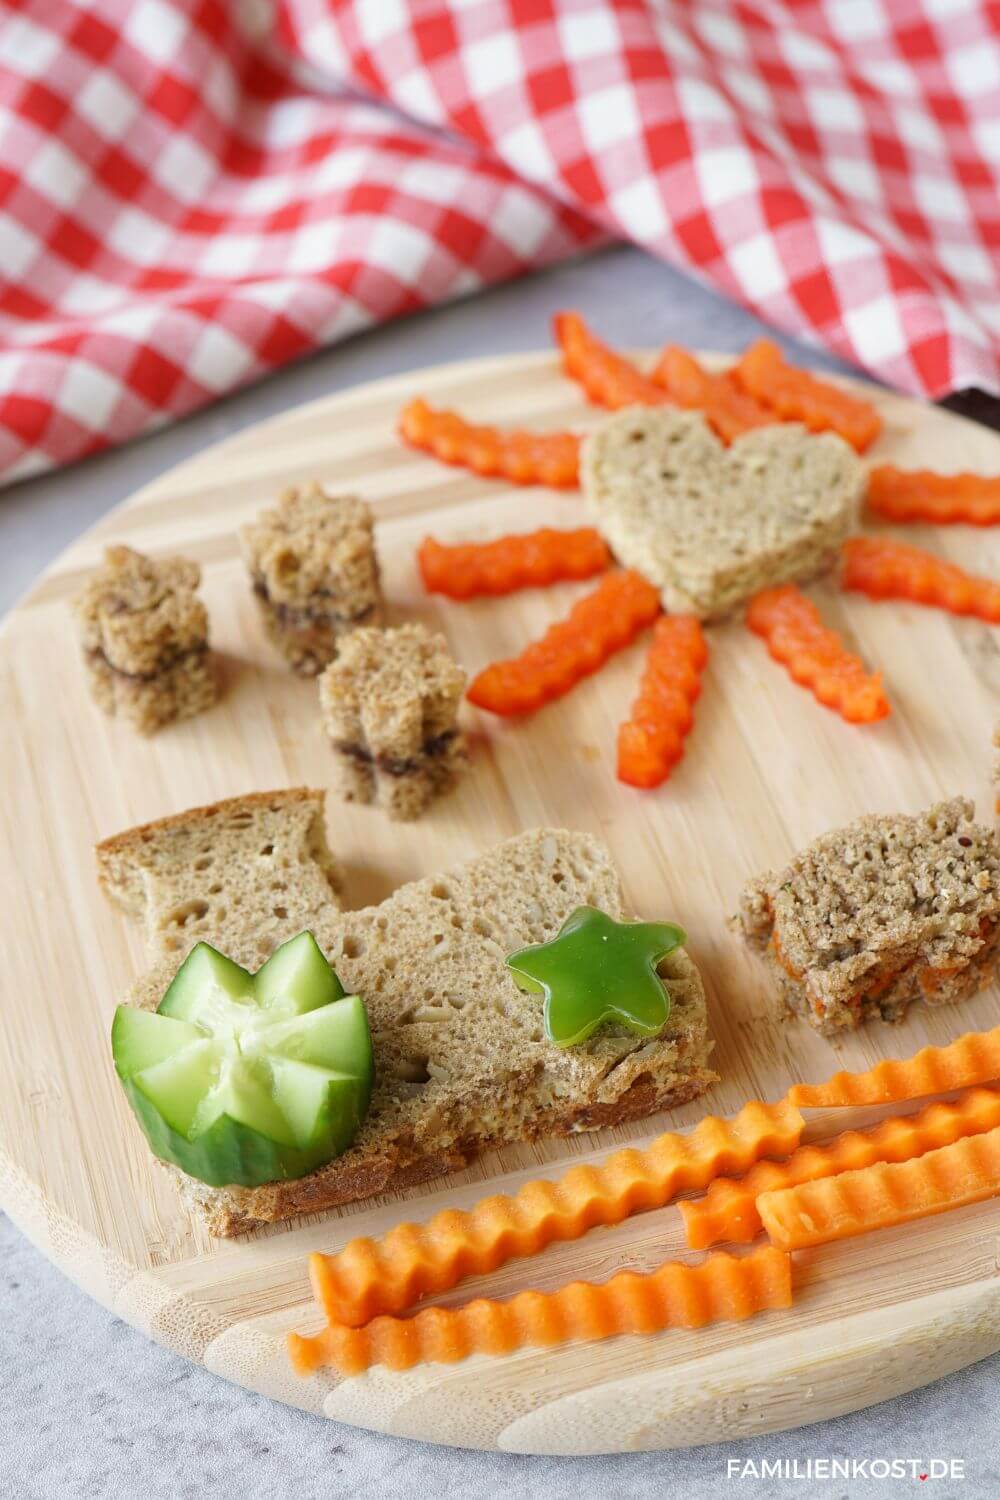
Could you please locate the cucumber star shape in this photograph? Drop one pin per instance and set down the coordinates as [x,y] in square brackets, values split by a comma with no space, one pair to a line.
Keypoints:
[597,970]
[241,1078]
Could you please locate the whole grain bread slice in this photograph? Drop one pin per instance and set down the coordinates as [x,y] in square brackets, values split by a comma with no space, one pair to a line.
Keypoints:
[709,526]
[462,1063]
[891,909]
[249,870]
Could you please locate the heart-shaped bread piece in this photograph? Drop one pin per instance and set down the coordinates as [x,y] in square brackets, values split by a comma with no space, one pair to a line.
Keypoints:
[709,526]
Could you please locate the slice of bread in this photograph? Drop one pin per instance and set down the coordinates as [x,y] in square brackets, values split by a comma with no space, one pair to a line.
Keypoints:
[889,910]
[462,1063]
[253,870]
[709,526]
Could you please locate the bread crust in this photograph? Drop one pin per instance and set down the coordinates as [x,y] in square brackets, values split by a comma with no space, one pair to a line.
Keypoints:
[227,1217]
[143,833]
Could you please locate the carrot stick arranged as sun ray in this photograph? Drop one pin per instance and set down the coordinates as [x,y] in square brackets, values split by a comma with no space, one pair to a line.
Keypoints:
[651,741]
[943,499]
[730,410]
[722,1288]
[815,656]
[886,569]
[521,561]
[596,627]
[550,458]
[728,1211]
[797,396]
[971,1059]
[884,1195]
[609,379]
[369,1277]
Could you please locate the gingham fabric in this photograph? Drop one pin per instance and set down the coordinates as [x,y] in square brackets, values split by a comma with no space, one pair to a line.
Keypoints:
[193,192]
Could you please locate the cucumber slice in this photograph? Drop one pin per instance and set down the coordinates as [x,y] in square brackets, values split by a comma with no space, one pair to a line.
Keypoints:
[244,1093]
[179,1085]
[140,1038]
[335,1036]
[297,977]
[317,1101]
[225,1153]
[246,1079]
[205,978]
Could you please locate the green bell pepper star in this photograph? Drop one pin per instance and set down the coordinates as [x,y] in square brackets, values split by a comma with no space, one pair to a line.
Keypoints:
[597,970]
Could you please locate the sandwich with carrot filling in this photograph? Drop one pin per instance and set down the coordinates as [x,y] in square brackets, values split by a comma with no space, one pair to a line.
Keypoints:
[889,910]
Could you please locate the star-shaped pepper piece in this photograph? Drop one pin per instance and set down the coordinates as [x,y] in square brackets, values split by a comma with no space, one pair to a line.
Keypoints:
[597,970]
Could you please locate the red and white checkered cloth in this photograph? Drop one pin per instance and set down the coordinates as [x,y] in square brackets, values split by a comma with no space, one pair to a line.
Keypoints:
[193,192]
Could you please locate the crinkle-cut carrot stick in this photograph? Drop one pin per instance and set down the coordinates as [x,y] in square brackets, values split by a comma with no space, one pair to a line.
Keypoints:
[596,627]
[797,396]
[651,742]
[550,458]
[884,1195]
[971,1059]
[369,1277]
[728,1211]
[943,499]
[727,407]
[722,1288]
[525,560]
[885,569]
[609,379]
[815,656]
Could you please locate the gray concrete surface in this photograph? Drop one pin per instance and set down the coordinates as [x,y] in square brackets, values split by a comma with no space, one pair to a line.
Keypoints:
[88,1407]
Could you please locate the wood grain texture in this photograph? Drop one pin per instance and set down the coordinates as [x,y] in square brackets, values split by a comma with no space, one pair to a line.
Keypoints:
[766,770]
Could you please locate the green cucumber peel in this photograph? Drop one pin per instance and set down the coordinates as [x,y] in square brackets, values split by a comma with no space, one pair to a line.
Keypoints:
[243,1079]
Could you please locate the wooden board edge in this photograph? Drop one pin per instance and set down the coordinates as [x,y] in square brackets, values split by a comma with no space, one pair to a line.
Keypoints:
[257,1359]
[180,1323]
[810,1375]
[800,1377]
[797,1378]
[805,1376]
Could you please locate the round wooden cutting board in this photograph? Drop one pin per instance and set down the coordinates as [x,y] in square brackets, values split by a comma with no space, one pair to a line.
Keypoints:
[766,770]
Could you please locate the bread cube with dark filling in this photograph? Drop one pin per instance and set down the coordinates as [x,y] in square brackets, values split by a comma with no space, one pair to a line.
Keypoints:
[390,706]
[315,573]
[144,633]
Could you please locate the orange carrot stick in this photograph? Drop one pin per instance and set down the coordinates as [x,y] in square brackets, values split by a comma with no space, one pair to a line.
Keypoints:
[884,569]
[651,742]
[722,1288]
[527,560]
[369,1277]
[815,656]
[524,457]
[797,396]
[727,407]
[943,499]
[728,1211]
[596,627]
[972,1059]
[883,1196]
[609,379]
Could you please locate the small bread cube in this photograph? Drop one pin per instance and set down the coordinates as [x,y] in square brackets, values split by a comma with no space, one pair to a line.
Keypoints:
[390,706]
[145,639]
[883,912]
[315,573]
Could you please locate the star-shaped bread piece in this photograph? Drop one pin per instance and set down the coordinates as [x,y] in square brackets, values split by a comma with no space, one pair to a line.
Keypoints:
[597,970]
